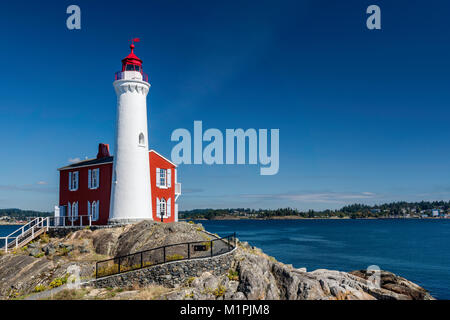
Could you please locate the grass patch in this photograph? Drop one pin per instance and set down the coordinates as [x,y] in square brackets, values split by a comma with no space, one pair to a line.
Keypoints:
[219,291]
[59,281]
[233,275]
[69,294]
[174,257]
[40,288]
[44,238]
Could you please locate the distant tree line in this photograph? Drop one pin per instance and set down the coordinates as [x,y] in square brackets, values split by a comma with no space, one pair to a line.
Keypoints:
[353,211]
[22,214]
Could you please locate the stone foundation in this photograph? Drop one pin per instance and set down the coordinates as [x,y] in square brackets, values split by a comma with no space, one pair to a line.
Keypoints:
[171,274]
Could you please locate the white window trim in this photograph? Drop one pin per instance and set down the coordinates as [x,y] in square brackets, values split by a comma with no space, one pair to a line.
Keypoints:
[91,174]
[168,208]
[95,210]
[164,202]
[73,183]
[73,211]
[167,174]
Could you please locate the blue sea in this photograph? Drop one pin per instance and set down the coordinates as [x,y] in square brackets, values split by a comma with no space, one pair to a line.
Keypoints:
[418,250]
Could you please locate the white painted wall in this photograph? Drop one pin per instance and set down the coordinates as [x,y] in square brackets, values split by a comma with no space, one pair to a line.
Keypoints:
[131,192]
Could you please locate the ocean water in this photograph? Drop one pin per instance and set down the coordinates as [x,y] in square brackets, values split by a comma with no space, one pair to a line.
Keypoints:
[6,230]
[418,250]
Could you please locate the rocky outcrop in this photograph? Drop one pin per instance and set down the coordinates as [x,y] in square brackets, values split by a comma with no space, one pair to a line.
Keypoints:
[46,259]
[247,273]
[258,276]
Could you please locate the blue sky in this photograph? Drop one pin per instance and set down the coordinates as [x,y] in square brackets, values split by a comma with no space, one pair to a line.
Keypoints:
[363,115]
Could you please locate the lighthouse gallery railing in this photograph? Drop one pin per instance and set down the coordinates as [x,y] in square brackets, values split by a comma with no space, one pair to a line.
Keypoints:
[164,254]
[119,75]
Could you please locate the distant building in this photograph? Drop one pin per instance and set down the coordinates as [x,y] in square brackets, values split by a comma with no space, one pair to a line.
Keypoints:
[435,212]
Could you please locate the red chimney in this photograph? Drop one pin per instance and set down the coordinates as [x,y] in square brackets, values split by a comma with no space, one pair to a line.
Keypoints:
[103,150]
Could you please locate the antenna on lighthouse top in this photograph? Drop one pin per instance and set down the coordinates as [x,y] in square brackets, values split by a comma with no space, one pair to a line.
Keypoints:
[132,43]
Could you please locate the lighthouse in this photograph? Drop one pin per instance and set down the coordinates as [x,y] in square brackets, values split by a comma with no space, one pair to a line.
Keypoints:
[130,188]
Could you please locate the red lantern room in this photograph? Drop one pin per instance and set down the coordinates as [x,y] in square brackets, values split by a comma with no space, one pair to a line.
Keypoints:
[131,63]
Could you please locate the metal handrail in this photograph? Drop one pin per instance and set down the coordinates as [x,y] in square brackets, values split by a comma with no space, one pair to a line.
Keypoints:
[230,245]
[119,75]
[31,228]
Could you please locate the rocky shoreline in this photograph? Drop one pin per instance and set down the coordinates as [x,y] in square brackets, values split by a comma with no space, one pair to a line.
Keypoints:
[245,274]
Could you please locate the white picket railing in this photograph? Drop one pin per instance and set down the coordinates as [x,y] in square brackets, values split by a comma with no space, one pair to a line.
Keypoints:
[36,227]
[25,234]
[69,221]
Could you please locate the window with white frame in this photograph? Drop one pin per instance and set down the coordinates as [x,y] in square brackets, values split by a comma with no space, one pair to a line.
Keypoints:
[93,209]
[94,178]
[163,207]
[73,211]
[163,178]
[73,181]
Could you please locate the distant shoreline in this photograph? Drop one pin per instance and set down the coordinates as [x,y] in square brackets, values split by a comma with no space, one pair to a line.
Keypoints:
[11,223]
[307,218]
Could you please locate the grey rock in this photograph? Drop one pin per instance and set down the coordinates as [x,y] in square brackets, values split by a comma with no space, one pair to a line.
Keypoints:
[49,249]
[34,251]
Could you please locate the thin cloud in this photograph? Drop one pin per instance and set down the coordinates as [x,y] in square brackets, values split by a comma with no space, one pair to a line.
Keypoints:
[41,183]
[74,160]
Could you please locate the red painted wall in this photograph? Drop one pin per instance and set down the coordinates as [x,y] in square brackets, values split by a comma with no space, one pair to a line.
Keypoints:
[156,161]
[84,194]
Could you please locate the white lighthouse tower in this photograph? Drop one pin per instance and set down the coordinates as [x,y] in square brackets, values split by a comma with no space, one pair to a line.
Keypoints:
[130,191]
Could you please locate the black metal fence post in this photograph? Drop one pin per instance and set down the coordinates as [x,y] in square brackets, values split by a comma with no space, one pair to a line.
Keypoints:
[118,264]
[96,270]
[189,251]
[164,254]
[211,248]
[142,261]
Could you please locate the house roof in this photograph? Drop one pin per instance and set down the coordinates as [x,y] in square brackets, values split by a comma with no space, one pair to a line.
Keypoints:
[105,160]
[163,157]
[88,162]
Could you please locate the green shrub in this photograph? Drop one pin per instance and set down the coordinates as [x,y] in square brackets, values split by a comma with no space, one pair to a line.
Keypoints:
[189,281]
[39,288]
[220,291]
[233,275]
[59,281]
[39,255]
[44,238]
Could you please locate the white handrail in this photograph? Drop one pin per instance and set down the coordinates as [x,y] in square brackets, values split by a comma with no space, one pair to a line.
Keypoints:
[36,225]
